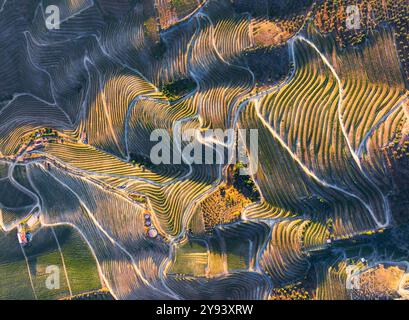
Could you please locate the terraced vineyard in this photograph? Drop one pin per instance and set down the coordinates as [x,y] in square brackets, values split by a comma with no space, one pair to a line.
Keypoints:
[281,132]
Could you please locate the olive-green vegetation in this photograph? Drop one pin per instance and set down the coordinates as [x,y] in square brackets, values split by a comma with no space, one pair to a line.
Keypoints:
[81,266]
[191,259]
[177,89]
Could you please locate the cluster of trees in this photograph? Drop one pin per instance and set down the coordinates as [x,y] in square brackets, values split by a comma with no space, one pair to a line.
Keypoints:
[400,20]
[141,160]
[332,16]
[178,88]
[244,183]
[269,64]
[272,8]
[138,198]
[292,292]
[183,7]
[398,148]
[223,206]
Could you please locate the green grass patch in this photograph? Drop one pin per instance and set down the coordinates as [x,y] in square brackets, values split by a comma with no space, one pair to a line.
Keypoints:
[191,259]
[14,278]
[43,252]
[80,264]
[237,253]
[15,282]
